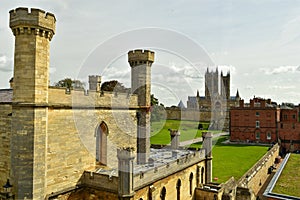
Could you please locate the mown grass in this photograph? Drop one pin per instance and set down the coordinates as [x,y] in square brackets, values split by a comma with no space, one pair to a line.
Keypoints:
[289,180]
[188,130]
[228,160]
[232,160]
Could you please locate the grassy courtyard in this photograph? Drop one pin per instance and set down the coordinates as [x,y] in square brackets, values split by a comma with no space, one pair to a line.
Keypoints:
[188,130]
[288,182]
[228,160]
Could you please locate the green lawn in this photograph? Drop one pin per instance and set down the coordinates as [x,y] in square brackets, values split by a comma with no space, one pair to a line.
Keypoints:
[232,160]
[188,130]
[288,182]
[228,160]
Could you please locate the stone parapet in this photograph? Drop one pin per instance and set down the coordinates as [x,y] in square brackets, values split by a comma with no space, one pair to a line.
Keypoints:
[160,170]
[136,57]
[36,21]
[79,98]
[100,181]
[255,177]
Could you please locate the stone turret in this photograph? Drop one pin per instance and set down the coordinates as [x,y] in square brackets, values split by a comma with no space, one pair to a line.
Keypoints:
[207,145]
[33,30]
[140,62]
[125,171]
[94,83]
[175,139]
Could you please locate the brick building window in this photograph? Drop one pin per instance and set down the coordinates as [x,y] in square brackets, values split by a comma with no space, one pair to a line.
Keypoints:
[257,124]
[285,117]
[268,135]
[281,125]
[257,135]
[257,114]
[294,116]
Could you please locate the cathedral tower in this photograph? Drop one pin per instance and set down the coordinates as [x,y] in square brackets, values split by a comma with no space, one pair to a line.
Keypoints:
[225,85]
[140,62]
[211,83]
[33,30]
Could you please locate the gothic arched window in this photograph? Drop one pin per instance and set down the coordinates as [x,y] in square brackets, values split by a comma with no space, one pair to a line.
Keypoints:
[101,143]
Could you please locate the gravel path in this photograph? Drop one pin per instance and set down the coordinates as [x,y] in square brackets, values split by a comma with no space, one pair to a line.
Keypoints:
[195,140]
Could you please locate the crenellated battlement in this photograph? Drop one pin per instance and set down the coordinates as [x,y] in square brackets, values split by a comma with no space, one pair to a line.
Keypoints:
[165,166]
[32,21]
[59,97]
[140,56]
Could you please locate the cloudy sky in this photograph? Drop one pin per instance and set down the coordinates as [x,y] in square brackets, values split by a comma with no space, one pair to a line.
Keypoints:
[257,40]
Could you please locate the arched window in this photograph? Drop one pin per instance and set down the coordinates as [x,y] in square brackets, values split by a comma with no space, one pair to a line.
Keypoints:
[198,176]
[178,185]
[215,197]
[163,193]
[191,183]
[101,143]
[202,175]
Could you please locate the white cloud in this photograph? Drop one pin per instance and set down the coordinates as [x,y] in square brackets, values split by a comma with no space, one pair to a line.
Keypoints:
[52,70]
[227,68]
[5,63]
[290,31]
[187,71]
[280,87]
[280,70]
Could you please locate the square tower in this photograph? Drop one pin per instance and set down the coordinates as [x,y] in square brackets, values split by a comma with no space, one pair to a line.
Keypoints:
[33,30]
[141,62]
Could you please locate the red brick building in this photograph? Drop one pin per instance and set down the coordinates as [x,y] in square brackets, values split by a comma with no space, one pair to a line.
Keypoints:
[289,128]
[263,121]
[254,122]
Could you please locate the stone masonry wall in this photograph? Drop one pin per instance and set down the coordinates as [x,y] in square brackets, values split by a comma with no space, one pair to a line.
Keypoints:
[58,97]
[87,193]
[170,183]
[258,174]
[186,114]
[5,134]
[72,141]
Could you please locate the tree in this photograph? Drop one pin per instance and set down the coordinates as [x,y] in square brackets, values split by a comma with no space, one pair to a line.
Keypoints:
[113,86]
[69,83]
[157,110]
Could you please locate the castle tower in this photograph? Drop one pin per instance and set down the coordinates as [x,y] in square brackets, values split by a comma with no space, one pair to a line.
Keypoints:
[225,85]
[140,62]
[125,173]
[33,30]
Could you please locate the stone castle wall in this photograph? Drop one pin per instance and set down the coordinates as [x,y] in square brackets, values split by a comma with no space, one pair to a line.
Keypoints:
[78,98]
[5,134]
[255,177]
[72,141]
[188,170]
[187,114]
[170,183]
[146,177]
